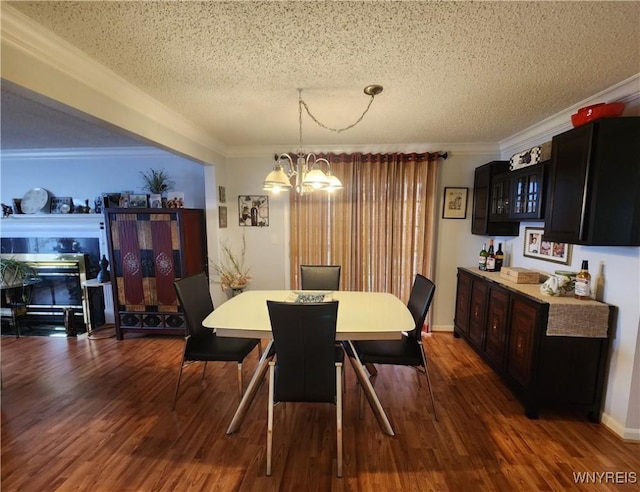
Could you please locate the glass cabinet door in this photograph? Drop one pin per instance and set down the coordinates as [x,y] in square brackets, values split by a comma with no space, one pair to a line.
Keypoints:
[526,193]
[500,199]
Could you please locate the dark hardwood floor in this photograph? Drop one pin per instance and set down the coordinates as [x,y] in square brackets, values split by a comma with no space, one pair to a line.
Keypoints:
[95,415]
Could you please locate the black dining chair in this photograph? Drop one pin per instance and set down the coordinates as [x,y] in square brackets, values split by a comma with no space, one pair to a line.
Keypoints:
[308,363]
[320,277]
[409,351]
[201,344]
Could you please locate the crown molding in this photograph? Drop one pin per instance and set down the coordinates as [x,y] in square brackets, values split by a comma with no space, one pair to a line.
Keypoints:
[627,91]
[33,57]
[84,153]
[451,148]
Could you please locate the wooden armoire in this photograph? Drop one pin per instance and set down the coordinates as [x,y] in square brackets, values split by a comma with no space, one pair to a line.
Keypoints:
[150,249]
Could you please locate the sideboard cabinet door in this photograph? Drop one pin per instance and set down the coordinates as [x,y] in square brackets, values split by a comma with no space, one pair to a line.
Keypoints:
[496,331]
[463,299]
[522,333]
[478,314]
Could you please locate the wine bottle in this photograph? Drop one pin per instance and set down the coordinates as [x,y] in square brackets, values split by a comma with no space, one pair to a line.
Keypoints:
[482,259]
[499,258]
[583,282]
[491,258]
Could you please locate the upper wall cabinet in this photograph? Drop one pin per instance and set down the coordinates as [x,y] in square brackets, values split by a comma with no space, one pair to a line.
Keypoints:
[491,201]
[594,184]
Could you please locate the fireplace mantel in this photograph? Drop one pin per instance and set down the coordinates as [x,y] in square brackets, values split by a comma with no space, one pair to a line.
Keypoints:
[46,223]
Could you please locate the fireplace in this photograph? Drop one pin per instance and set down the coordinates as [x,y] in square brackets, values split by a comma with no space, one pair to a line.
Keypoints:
[65,252]
[58,291]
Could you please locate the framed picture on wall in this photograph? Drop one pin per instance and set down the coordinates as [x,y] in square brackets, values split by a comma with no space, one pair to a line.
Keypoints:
[253,210]
[222,217]
[454,205]
[536,246]
[222,194]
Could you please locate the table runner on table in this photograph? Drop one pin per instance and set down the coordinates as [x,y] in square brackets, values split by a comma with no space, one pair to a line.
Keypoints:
[568,316]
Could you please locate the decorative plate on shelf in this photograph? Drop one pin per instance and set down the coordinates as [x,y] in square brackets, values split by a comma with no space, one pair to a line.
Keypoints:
[34,200]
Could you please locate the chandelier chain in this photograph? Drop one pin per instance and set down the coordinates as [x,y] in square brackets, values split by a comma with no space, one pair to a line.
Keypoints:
[319,123]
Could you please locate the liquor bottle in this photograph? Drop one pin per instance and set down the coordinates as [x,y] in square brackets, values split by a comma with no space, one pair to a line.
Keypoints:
[491,258]
[583,282]
[482,259]
[499,258]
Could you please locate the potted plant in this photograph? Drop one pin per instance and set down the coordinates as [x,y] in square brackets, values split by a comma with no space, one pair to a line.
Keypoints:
[15,275]
[157,182]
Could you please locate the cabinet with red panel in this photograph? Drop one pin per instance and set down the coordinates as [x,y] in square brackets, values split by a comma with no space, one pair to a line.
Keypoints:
[150,249]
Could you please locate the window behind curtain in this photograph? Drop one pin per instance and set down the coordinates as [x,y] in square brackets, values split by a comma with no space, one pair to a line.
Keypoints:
[379,227]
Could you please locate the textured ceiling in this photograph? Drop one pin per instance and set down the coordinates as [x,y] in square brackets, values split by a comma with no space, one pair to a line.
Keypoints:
[465,72]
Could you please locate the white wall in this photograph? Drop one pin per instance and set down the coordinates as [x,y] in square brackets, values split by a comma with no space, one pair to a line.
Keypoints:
[87,174]
[267,250]
[455,245]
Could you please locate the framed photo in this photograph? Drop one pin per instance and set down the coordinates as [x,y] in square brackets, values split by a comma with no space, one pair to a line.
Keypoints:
[536,246]
[111,200]
[222,194]
[175,199]
[222,217]
[61,205]
[124,200]
[138,201]
[253,210]
[155,200]
[454,205]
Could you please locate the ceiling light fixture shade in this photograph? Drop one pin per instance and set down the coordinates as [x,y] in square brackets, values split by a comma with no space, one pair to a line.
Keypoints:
[307,171]
[334,183]
[277,180]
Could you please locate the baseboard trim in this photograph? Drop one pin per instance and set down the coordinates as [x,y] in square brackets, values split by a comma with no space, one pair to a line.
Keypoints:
[624,433]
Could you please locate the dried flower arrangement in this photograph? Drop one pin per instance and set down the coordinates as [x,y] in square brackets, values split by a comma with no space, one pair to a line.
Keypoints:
[231,270]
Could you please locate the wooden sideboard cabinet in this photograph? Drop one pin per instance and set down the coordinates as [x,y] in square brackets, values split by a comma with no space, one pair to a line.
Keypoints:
[150,249]
[507,327]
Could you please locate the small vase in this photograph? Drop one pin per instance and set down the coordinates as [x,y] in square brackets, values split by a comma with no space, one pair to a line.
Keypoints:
[237,292]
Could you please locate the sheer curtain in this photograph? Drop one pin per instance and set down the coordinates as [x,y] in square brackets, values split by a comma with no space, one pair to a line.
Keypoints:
[379,227]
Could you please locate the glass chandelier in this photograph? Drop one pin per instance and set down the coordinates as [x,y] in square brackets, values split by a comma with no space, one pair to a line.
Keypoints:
[307,169]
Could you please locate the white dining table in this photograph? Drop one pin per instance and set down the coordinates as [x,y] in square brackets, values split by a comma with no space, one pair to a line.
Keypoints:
[361,316]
